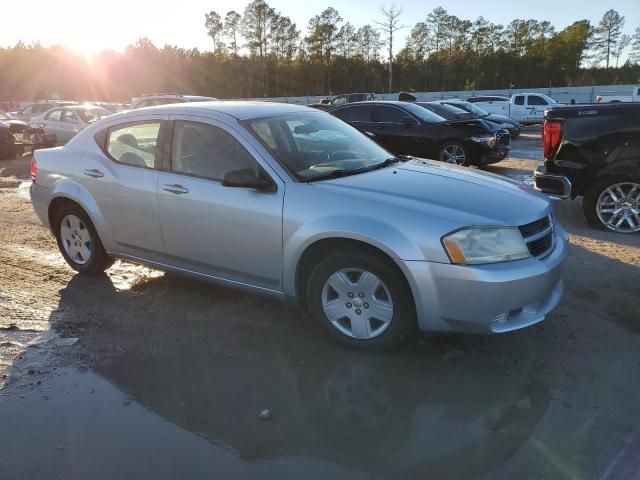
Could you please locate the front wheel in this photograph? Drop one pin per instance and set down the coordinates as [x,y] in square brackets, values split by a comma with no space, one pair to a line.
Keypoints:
[455,153]
[362,300]
[613,203]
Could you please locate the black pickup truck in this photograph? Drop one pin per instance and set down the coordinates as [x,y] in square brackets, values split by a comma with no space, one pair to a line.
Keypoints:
[594,151]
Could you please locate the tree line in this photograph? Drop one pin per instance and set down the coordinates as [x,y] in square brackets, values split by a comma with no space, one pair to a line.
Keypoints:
[262,53]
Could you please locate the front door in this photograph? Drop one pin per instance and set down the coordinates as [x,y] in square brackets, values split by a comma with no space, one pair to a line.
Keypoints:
[227,232]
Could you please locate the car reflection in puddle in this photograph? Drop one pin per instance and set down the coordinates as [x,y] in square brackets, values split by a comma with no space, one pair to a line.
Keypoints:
[211,359]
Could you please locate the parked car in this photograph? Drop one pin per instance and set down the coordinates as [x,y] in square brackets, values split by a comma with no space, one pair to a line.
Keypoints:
[300,205]
[527,108]
[634,97]
[66,122]
[342,100]
[594,151]
[15,135]
[113,107]
[10,128]
[488,99]
[153,99]
[447,112]
[511,125]
[408,129]
[38,108]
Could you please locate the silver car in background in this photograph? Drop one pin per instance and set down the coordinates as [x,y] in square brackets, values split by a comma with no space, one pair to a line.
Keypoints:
[66,122]
[292,202]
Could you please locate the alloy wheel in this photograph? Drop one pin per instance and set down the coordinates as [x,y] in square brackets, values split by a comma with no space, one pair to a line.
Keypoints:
[453,154]
[618,207]
[357,303]
[76,239]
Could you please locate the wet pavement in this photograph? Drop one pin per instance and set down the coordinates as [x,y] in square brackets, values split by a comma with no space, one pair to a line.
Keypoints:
[142,374]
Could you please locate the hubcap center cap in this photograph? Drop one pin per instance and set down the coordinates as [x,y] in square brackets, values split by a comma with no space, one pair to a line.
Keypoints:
[357,303]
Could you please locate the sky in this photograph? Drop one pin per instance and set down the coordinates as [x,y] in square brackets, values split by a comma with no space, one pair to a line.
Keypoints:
[88,26]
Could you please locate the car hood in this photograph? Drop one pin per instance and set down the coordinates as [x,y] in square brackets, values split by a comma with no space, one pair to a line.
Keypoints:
[457,194]
[479,123]
[501,119]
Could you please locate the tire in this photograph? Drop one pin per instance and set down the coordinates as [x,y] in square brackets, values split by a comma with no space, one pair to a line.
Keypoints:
[451,146]
[598,197]
[89,255]
[390,298]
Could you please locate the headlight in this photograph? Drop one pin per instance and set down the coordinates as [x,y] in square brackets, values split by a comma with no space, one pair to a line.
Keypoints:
[477,245]
[507,126]
[489,140]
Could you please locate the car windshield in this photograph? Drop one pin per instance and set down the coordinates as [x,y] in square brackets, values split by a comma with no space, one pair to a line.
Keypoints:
[315,146]
[90,115]
[470,107]
[447,111]
[423,114]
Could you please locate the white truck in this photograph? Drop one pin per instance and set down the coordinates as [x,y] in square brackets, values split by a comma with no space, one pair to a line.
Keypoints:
[527,108]
[634,97]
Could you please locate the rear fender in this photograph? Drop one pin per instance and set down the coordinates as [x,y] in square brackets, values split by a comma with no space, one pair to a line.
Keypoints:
[67,188]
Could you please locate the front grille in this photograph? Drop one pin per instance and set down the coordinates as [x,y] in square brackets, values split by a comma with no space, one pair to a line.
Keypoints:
[503,139]
[539,236]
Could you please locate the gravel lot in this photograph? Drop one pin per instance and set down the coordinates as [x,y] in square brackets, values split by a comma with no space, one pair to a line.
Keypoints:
[168,376]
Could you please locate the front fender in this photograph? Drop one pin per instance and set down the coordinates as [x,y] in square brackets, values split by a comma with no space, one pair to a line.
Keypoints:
[378,234]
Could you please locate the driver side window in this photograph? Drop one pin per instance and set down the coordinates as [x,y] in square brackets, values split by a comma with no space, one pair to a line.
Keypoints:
[206,151]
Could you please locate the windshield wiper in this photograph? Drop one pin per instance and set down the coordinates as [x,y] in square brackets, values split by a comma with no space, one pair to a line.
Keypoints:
[345,173]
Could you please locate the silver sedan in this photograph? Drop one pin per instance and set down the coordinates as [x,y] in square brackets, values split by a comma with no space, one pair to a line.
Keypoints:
[291,202]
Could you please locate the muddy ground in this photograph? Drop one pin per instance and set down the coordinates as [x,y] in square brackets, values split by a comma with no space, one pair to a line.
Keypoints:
[141,374]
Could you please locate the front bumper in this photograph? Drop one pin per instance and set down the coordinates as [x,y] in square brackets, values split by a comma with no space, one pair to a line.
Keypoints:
[557,186]
[487,299]
[494,155]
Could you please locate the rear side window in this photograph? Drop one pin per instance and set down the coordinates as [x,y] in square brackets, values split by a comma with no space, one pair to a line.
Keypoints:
[70,117]
[134,144]
[55,116]
[519,100]
[384,114]
[339,100]
[361,113]
[207,151]
[537,100]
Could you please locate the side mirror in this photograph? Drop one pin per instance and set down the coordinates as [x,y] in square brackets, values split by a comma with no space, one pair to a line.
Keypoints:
[248,178]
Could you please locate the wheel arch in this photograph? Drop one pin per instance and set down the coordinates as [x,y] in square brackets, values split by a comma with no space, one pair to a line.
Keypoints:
[321,247]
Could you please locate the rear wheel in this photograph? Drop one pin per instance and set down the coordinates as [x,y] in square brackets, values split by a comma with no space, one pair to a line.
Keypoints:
[613,203]
[361,300]
[455,153]
[78,241]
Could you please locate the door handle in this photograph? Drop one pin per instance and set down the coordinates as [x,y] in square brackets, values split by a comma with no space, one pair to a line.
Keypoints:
[177,189]
[94,173]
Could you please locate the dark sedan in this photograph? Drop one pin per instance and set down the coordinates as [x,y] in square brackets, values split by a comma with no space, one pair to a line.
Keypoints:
[409,129]
[513,126]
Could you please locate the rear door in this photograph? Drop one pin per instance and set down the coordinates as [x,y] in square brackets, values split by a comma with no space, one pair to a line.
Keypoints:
[120,170]
[52,125]
[70,125]
[224,232]
[396,130]
[518,108]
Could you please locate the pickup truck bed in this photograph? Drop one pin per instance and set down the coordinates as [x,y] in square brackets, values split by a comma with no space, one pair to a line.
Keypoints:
[594,151]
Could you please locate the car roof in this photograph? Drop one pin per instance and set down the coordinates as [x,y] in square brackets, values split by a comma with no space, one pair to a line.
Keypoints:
[241,110]
[375,102]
